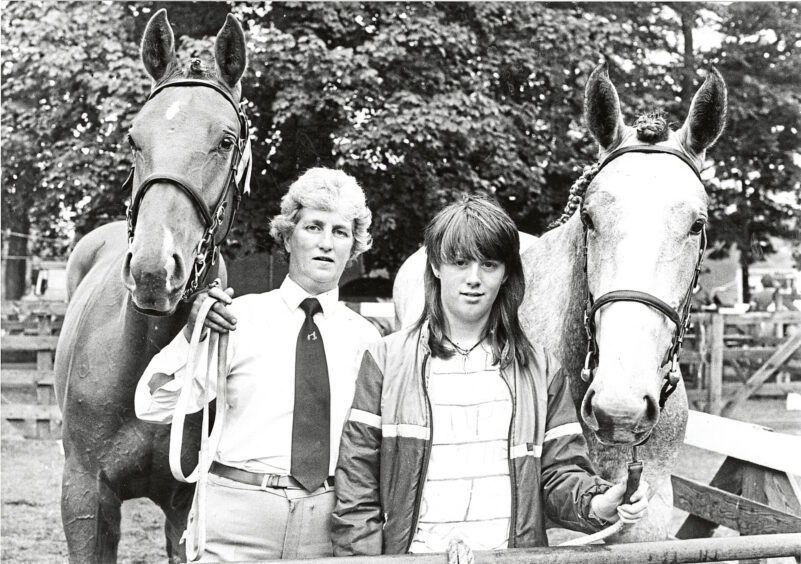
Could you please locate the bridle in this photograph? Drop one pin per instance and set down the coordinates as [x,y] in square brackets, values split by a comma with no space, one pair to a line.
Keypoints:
[237,183]
[679,317]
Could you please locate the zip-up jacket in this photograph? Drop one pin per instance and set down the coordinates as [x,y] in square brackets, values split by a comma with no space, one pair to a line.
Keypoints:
[386,444]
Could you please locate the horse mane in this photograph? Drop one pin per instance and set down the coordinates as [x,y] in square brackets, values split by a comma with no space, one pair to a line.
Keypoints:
[651,127]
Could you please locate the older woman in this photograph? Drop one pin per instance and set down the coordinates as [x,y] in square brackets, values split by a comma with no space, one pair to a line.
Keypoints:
[461,427]
[292,364]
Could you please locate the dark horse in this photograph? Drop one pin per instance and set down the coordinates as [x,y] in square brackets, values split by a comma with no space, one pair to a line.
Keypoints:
[130,288]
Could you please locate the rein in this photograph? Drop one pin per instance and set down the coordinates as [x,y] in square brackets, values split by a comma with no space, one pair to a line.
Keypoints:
[679,317]
[196,522]
[237,183]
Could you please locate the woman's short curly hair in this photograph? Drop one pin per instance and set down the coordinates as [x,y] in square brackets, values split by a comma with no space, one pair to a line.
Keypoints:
[330,190]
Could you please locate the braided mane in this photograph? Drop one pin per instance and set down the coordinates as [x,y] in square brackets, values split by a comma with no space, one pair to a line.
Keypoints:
[652,127]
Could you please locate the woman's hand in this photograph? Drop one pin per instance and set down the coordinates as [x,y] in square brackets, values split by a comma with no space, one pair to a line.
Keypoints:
[219,318]
[608,506]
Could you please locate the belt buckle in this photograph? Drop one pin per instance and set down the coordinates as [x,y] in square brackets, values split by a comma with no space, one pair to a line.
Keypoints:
[270,481]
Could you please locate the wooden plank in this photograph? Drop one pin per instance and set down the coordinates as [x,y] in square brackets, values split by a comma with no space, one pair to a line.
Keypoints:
[30,411]
[728,478]
[765,371]
[768,390]
[12,377]
[754,317]
[730,510]
[29,343]
[715,381]
[34,421]
[745,441]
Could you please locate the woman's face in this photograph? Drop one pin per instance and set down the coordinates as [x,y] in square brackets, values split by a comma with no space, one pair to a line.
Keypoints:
[468,289]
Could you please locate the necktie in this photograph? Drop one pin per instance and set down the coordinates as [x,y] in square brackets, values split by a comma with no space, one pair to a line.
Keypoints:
[312,414]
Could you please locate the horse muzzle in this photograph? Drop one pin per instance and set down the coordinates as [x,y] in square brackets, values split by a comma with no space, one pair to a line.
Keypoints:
[619,421]
[154,291]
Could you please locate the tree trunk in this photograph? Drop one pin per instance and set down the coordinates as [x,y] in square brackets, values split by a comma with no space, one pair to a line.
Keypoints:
[687,14]
[744,277]
[15,259]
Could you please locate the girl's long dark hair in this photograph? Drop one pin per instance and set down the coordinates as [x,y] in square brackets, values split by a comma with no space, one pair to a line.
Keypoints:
[476,228]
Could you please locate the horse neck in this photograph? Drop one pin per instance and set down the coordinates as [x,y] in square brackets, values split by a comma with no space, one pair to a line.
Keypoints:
[553,311]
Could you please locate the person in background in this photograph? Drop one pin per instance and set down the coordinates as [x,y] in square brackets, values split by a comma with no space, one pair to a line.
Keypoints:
[461,428]
[292,359]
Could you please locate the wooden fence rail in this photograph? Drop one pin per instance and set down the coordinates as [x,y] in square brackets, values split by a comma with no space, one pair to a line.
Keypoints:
[760,337]
[42,419]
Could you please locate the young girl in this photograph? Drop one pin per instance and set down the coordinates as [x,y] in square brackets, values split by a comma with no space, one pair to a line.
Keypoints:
[461,428]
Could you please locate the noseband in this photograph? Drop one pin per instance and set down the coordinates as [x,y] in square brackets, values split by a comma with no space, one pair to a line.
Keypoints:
[680,318]
[238,181]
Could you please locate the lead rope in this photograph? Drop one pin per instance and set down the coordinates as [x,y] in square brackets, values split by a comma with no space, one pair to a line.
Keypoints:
[632,483]
[195,534]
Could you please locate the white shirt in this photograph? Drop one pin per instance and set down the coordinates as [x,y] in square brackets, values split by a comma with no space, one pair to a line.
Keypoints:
[261,375]
[467,492]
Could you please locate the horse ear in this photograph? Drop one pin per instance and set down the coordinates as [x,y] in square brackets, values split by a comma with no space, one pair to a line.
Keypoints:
[602,107]
[230,52]
[707,116]
[158,45]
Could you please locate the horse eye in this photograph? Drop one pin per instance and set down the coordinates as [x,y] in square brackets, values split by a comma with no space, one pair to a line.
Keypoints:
[697,226]
[132,143]
[587,220]
[227,143]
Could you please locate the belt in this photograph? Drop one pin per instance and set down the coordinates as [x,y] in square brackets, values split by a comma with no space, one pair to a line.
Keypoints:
[260,479]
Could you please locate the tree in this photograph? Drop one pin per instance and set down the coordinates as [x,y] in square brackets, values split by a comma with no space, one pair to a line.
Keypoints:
[757,193]
[423,101]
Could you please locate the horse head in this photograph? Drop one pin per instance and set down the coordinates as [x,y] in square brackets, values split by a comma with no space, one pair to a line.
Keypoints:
[190,151]
[644,215]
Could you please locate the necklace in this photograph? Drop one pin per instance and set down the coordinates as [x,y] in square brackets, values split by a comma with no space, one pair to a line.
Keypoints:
[462,351]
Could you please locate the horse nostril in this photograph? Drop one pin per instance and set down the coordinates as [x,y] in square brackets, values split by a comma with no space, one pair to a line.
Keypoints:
[179,268]
[127,277]
[651,410]
[587,412]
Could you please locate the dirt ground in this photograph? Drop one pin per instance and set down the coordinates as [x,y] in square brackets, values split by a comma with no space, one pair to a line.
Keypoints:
[30,472]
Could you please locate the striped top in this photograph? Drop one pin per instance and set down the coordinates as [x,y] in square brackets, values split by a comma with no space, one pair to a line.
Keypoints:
[467,493]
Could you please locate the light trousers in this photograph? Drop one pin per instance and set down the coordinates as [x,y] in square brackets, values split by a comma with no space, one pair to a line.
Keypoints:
[245,522]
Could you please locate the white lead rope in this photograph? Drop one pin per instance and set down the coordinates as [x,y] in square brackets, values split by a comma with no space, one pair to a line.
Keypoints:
[196,538]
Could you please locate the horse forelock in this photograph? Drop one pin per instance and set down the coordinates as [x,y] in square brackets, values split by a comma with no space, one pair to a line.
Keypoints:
[196,69]
[652,127]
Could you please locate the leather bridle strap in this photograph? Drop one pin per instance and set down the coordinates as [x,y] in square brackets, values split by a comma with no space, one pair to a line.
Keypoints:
[650,149]
[635,296]
[181,183]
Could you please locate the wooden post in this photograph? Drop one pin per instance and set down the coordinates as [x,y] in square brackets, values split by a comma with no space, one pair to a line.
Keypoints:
[715,380]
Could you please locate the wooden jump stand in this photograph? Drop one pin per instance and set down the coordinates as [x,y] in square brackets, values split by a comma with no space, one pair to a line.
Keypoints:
[755,490]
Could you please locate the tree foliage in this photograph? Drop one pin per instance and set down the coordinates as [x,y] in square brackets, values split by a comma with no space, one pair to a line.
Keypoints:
[419,101]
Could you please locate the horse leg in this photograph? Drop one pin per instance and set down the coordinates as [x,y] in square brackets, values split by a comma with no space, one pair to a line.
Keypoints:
[90,512]
[176,510]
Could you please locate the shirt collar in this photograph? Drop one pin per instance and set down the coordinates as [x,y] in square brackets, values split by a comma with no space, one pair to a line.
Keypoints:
[293,294]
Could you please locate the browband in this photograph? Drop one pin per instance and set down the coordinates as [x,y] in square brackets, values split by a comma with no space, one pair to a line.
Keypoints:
[651,149]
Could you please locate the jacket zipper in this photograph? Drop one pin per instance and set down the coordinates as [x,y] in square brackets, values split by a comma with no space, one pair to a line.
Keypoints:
[426,457]
[511,543]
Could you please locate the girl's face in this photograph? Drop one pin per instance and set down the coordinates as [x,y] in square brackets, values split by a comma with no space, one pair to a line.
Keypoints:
[468,289]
